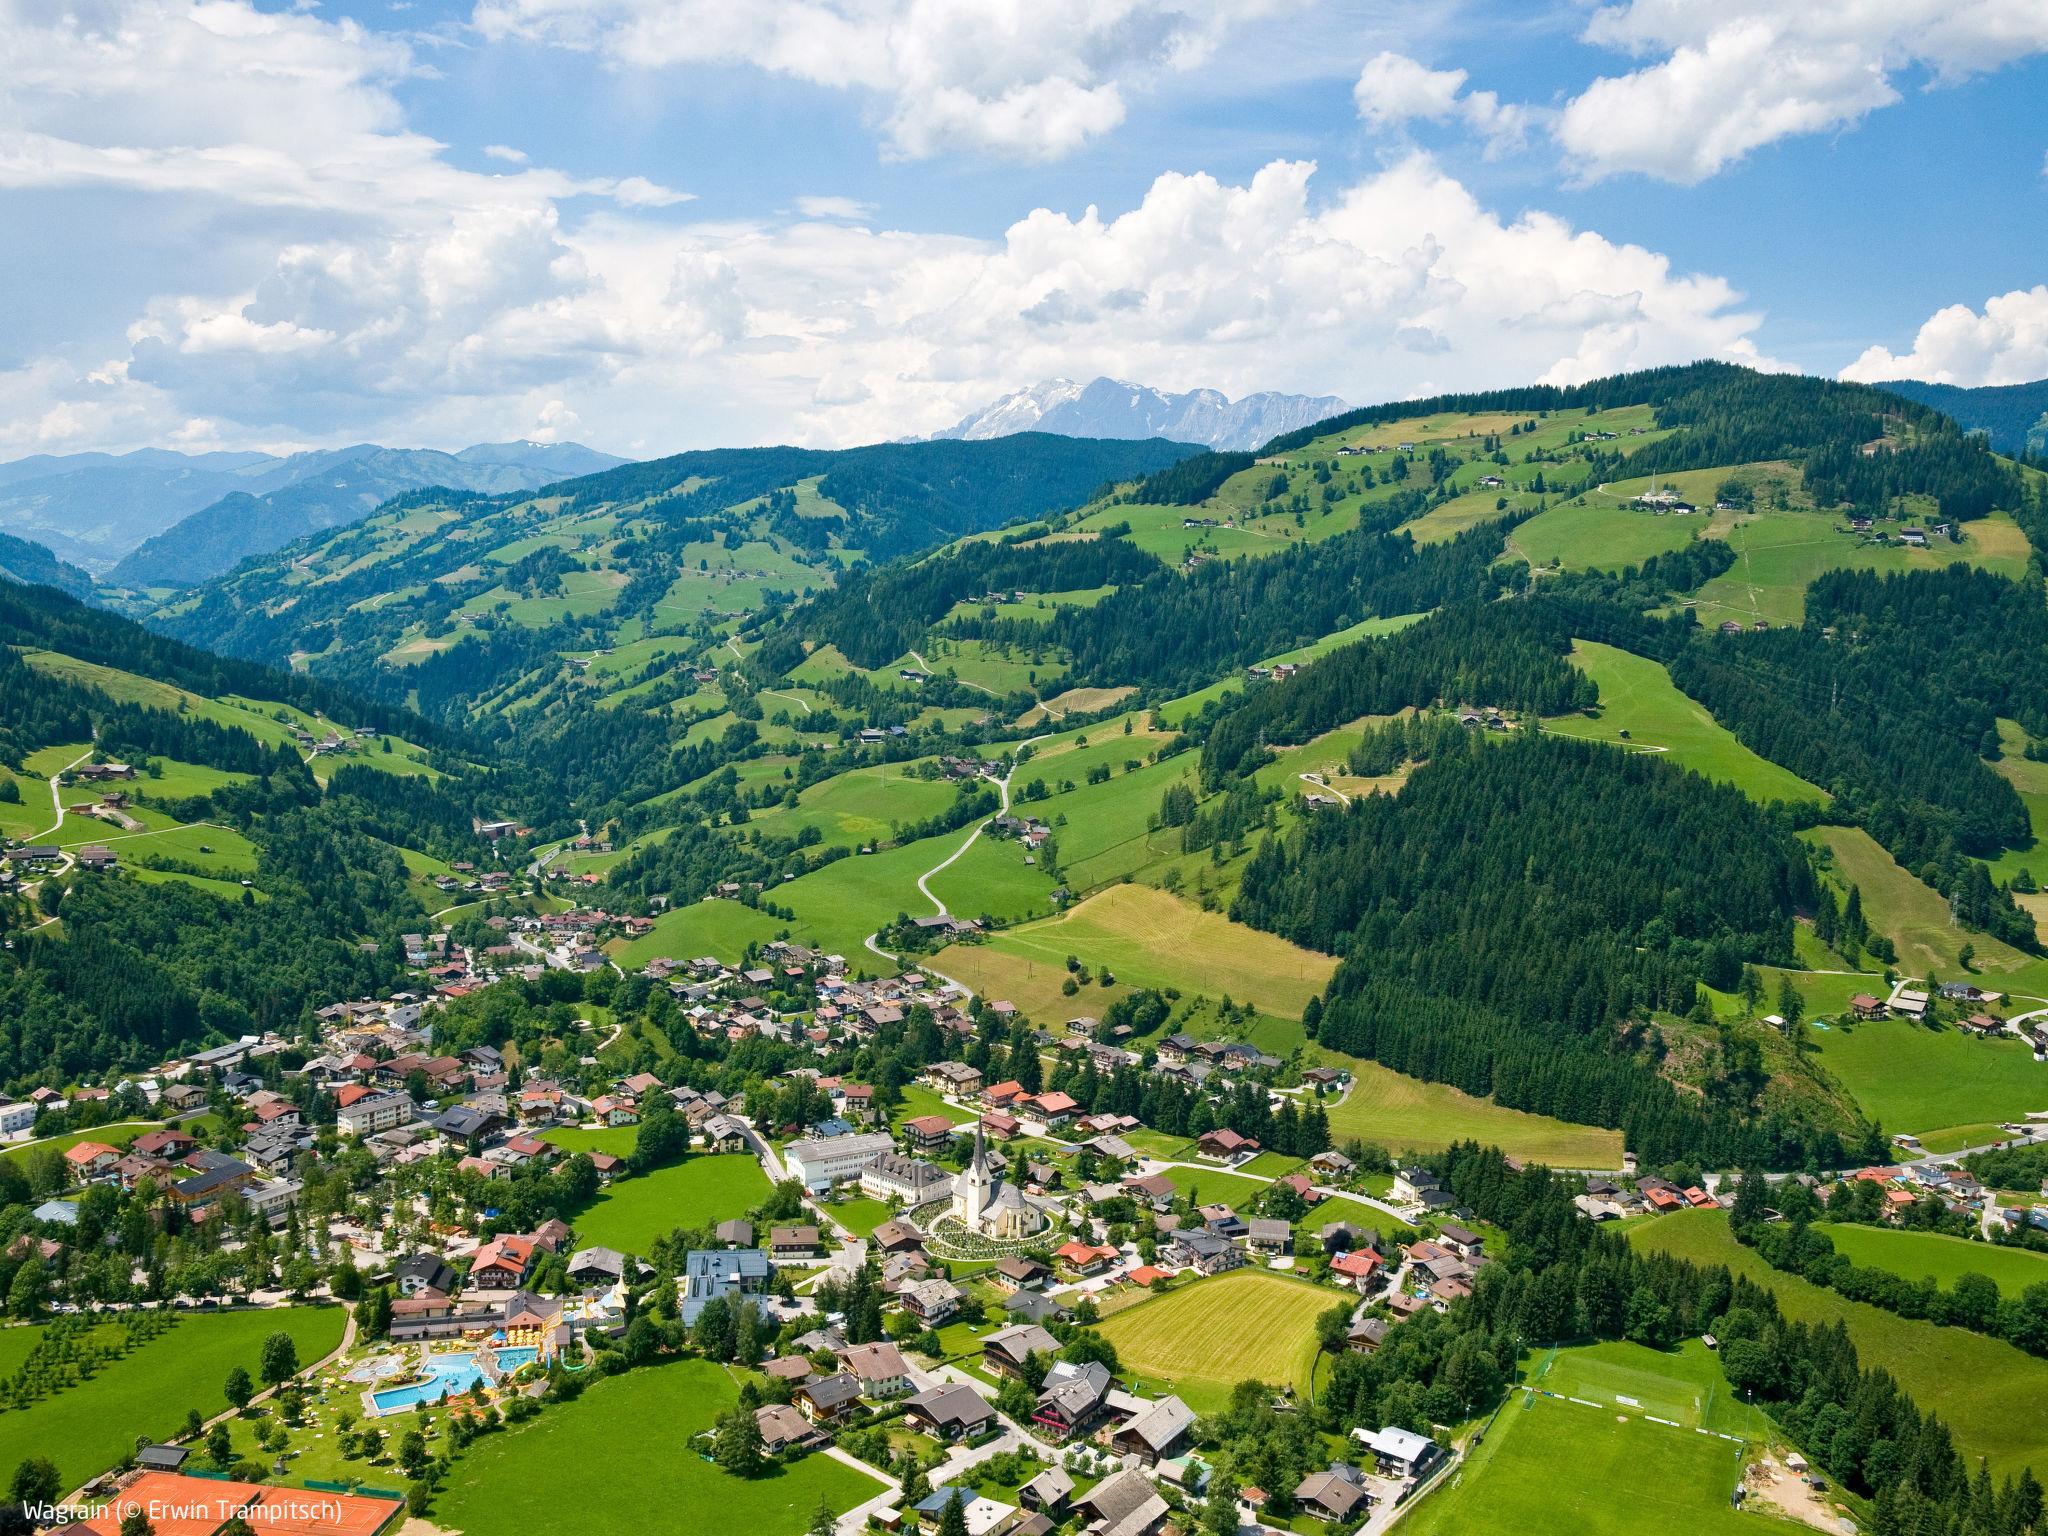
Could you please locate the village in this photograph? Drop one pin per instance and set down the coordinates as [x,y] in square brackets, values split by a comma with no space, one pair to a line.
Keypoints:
[933,1258]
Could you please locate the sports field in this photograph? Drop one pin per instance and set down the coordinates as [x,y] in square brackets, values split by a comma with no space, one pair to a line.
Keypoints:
[85,1429]
[1988,1392]
[632,1213]
[1201,1340]
[1637,697]
[623,1458]
[1916,1255]
[1549,1464]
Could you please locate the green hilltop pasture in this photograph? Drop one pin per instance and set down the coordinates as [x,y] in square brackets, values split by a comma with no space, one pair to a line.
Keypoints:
[1988,1391]
[1638,699]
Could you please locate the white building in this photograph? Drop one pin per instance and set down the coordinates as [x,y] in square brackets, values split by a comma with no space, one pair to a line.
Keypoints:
[16,1118]
[822,1162]
[374,1113]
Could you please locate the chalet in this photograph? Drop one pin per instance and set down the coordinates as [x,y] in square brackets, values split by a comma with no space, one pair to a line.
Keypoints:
[1156,1433]
[1072,1398]
[828,1398]
[1358,1267]
[503,1263]
[1048,1492]
[792,1243]
[953,1077]
[1864,1006]
[1337,1495]
[1398,1452]
[1005,1351]
[931,1302]
[1154,1189]
[423,1273]
[90,1159]
[879,1368]
[1367,1334]
[1223,1221]
[1203,1251]
[1269,1236]
[597,1267]
[1085,1258]
[1018,1273]
[784,1428]
[1123,1504]
[950,1411]
[1466,1244]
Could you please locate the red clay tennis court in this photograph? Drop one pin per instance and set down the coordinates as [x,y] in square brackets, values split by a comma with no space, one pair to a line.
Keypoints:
[198,1506]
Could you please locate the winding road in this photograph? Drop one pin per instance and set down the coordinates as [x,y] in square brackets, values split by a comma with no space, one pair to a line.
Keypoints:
[1003,790]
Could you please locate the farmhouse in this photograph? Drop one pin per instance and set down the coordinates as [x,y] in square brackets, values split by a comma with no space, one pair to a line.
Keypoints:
[1158,1432]
[949,1412]
[1123,1504]
[1005,1351]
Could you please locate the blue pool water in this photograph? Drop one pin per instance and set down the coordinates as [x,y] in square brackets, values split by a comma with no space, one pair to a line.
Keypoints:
[449,1376]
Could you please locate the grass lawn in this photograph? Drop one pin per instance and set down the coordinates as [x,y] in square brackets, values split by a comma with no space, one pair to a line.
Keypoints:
[1549,1464]
[1405,1114]
[1916,1255]
[632,1213]
[624,1450]
[837,907]
[1638,696]
[111,1135]
[720,928]
[87,1428]
[1200,1340]
[1988,1392]
[858,1214]
[1211,1185]
[619,1140]
[862,805]
[991,879]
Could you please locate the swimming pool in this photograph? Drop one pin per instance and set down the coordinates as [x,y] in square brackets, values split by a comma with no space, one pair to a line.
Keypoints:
[449,1376]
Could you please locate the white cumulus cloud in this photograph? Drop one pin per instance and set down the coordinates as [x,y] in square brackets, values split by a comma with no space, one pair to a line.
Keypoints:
[2004,343]
[1033,79]
[1394,90]
[1730,77]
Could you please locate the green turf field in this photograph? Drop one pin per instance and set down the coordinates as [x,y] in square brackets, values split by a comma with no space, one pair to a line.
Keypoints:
[626,1449]
[1200,1339]
[1637,697]
[1549,1464]
[630,1214]
[85,1429]
[1600,536]
[1211,1186]
[1988,1392]
[1917,1255]
[1921,1080]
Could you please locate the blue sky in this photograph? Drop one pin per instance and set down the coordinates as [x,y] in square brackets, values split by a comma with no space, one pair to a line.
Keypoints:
[656,224]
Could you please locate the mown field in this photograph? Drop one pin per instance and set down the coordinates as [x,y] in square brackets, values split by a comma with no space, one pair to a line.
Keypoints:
[1918,1255]
[1988,1392]
[1144,937]
[1405,1114]
[1641,708]
[1201,1339]
[86,1428]
[720,928]
[632,1213]
[628,1447]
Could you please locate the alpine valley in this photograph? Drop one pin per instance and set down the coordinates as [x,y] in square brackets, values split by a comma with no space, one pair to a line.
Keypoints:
[1090,982]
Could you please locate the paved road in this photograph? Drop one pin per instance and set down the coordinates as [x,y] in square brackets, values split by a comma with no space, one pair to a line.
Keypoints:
[1003,790]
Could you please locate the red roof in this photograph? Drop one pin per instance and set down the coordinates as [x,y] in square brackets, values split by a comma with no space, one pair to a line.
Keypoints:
[1358,1264]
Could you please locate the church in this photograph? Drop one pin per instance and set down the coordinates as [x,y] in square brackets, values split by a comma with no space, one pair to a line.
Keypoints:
[991,1206]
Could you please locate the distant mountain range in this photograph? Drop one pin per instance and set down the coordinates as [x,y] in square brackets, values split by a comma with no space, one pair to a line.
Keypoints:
[155,517]
[2013,416]
[1112,408]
